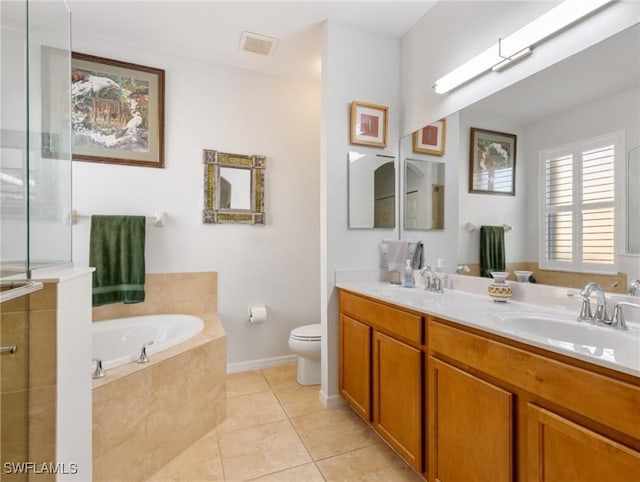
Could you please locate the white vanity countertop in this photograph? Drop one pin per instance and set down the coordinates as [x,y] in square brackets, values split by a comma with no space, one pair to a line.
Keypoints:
[600,345]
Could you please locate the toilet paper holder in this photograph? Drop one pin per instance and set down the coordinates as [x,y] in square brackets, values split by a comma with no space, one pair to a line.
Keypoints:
[257,314]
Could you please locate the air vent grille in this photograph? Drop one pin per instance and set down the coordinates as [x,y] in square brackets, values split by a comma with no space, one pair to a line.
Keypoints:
[259,44]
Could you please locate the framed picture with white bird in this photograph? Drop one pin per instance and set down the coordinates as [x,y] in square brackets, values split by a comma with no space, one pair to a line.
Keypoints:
[117,112]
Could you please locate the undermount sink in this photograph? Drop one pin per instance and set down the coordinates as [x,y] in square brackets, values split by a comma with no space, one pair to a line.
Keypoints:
[567,332]
[414,296]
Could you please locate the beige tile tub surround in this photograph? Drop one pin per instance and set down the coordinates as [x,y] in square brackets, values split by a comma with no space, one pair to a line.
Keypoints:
[185,293]
[146,415]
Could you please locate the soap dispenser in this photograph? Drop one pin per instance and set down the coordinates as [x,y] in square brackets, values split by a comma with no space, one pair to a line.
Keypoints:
[408,276]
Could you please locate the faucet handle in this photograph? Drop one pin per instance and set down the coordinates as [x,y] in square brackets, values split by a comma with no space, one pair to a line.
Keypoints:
[585,310]
[99,371]
[144,358]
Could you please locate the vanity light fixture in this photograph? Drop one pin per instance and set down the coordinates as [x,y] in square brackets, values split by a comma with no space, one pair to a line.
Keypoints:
[519,45]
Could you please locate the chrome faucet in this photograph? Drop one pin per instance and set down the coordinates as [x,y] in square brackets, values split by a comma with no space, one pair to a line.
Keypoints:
[432,281]
[634,288]
[99,371]
[427,277]
[601,307]
[144,358]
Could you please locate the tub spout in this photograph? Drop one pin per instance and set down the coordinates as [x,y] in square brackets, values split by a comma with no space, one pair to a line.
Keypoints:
[144,358]
[99,371]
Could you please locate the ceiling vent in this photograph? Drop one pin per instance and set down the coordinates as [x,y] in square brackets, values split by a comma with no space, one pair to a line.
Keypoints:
[258,44]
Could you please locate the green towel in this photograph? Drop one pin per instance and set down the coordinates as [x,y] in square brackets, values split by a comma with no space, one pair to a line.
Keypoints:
[116,250]
[491,250]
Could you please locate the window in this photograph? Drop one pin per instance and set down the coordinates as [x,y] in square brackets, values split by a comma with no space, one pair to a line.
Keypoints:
[578,205]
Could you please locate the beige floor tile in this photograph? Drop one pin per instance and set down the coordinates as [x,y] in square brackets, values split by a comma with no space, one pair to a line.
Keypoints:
[333,432]
[374,463]
[303,473]
[246,382]
[281,376]
[299,400]
[201,462]
[250,410]
[261,450]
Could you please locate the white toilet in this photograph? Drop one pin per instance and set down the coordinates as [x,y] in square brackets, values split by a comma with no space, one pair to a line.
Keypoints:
[304,341]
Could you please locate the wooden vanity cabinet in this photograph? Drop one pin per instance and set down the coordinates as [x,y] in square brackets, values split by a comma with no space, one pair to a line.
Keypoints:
[382,371]
[560,449]
[472,426]
[355,365]
[501,411]
[462,404]
[397,396]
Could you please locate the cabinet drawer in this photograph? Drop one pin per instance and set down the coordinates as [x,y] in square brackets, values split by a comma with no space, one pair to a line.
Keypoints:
[609,401]
[357,307]
[406,325]
[400,323]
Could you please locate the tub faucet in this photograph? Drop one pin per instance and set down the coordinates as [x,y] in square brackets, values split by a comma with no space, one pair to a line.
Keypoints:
[601,308]
[99,371]
[144,358]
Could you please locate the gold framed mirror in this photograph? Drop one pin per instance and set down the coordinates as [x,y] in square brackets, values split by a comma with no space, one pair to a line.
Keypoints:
[233,188]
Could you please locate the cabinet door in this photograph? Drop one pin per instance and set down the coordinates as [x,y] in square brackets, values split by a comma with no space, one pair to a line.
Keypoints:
[355,365]
[397,396]
[562,450]
[471,427]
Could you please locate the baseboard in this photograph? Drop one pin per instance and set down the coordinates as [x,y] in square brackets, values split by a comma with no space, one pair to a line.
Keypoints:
[334,401]
[249,365]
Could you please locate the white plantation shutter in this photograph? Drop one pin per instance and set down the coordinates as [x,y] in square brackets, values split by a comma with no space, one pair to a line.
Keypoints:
[578,206]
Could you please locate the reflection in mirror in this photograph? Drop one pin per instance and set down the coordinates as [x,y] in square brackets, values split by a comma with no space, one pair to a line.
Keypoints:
[234,188]
[372,191]
[566,105]
[423,194]
[633,201]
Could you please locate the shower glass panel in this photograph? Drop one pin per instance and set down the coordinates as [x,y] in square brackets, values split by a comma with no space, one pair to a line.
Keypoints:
[35,130]
[13,139]
[35,202]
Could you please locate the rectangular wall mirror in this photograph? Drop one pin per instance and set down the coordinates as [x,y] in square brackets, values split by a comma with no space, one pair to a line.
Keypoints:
[423,192]
[372,191]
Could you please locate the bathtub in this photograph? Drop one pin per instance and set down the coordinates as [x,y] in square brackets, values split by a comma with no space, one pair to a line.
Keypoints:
[120,340]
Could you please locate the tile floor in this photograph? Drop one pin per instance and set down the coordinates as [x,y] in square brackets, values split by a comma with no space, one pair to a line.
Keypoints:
[277,431]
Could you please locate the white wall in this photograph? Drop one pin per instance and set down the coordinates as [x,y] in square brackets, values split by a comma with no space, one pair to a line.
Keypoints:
[357,65]
[217,107]
[453,32]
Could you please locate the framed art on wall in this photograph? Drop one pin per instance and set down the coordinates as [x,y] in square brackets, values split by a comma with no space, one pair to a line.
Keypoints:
[117,112]
[431,139]
[368,124]
[492,162]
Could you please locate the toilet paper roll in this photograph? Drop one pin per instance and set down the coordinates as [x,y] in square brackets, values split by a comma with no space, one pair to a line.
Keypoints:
[257,314]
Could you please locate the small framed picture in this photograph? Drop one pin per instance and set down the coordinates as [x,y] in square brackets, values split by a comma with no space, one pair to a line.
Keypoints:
[492,162]
[431,139]
[368,124]
[117,112]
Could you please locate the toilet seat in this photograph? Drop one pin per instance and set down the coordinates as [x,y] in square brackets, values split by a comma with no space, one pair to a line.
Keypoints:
[307,333]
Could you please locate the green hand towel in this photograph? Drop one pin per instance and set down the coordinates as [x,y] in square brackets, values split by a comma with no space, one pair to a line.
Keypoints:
[116,250]
[492,257]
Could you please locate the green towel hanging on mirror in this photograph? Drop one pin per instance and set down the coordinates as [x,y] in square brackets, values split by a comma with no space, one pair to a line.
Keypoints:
[116,251]
[492,257]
